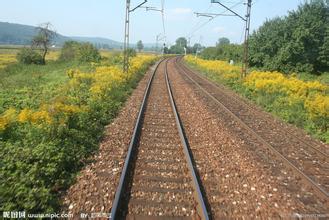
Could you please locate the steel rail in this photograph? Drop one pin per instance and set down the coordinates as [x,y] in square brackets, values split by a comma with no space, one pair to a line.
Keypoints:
[198,194]
[307,180]
[324,154]
[119,192]
[117,203]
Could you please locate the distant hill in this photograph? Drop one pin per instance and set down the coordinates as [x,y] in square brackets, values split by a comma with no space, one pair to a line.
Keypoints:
[99,40]
[18,34]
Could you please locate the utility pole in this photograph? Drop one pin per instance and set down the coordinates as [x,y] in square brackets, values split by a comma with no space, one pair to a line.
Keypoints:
[197,49]
[158,39]
[126,38]
[246,19]
[246,40]
[156,44]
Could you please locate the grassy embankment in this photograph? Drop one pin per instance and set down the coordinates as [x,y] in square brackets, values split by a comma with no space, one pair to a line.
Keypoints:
[300,100]
[51,120]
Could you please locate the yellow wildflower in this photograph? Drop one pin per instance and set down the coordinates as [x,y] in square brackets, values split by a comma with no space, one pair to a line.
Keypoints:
[25,115]
[7,118]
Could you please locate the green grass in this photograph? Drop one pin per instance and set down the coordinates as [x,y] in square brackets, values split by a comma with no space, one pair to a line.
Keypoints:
[324,77]
[39,161]
[276,103]
[28,86]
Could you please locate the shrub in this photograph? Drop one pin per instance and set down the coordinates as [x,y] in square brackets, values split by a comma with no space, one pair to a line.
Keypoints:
[131,52]
[82,52]
[88,53]
[69,51]
[115,58]
[29,56]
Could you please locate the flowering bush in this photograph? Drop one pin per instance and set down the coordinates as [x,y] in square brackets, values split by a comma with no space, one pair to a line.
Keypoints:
[42,149]
[303,103]
[6,59]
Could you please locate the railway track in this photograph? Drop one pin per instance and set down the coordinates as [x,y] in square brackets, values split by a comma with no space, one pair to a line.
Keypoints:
[158,178]
[313,144]
[309,163]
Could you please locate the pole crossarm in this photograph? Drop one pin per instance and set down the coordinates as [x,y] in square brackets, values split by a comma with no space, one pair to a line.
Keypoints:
[138,6]
[227,8]
[210,15]
[152,9]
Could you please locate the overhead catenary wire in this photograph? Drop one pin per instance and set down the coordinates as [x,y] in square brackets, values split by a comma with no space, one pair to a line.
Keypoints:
[162,11]
[163,18]
[210,19]
[199,22]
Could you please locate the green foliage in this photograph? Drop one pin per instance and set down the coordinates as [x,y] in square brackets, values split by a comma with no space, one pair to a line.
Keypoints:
[223,41]
[140,46]
[288,108]
[88,53]
[223,51]
[131,52]
[181,42]
[115,58]
[29,56]
[43,39]
[82,52]
[37,163]
[297,42]
[178,48]
[69,51]
[28,86]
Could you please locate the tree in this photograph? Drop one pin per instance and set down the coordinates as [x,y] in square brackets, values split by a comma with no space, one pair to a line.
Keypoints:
[82,52]
[196,47]
[223,41]
[140,46]
[295,43]
[166,50]
[181,42]
[69,51]
[224,52]
[43,39]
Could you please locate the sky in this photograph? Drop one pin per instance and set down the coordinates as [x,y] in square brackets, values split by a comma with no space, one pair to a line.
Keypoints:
[105,18]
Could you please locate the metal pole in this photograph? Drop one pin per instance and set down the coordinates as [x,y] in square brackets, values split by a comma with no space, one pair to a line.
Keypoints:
[246,40]
[126,39]
[156,45]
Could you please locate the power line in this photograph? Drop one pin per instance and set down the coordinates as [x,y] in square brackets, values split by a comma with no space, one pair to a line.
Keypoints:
[158,37]
[126,37]
[247,30]
[199,21]
[228,9]
[163,18]
[205,23]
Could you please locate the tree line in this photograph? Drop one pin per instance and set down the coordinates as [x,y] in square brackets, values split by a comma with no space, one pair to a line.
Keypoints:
[298,42]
